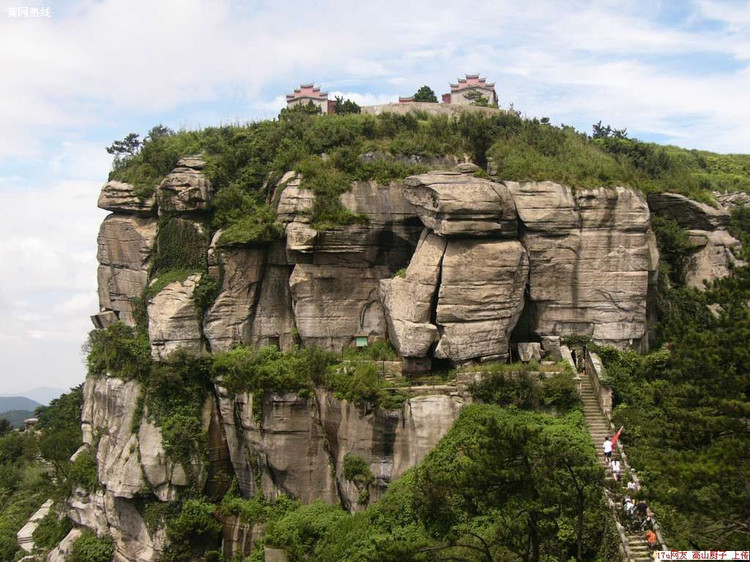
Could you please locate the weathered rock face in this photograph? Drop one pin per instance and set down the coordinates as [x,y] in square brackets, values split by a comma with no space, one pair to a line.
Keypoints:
[228,320]
[272,320]
[131,464]
[714,248]
[106,514]
[254,305]
[589,261]
[688,213]
[332,303]
[186,188]
[334,284]
[290,437]
[480,297]
[713,257]
[174,321]
[119,197]
[409,302]
[294,201]
[733,199]
[455,204]
[583,260]
[125,243]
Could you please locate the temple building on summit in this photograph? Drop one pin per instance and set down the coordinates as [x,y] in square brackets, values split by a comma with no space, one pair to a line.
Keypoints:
[465,86]
[470,90]
[307,93]
[467,91]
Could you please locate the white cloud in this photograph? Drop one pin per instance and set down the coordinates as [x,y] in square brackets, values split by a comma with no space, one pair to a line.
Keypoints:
[110,57]
[48,273]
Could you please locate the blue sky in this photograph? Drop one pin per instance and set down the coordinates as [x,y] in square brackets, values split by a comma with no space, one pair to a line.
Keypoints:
[674,72]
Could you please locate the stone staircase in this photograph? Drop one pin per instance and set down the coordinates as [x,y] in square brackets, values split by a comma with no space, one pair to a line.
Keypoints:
[636,548]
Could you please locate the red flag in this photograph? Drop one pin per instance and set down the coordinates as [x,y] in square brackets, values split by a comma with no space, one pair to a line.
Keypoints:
[616,437]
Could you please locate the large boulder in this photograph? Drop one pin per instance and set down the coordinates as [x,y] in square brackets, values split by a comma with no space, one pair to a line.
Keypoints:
[545,207]
[386,236]
[456,204]
[294,200]
[186,188]
[481,297]
[120,197]
[410,301]
[227,321]
[590,261]
[688,213]
[713,258]
[174,320]
[125,244]
[529,351]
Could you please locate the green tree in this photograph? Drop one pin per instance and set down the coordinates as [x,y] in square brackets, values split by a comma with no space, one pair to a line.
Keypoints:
[477,98]
[60,426]
[158,132]
[5,426]
[605,131]
[300,109]
[685,411]
[90,548]
[125,149]
[426,94]
[194,530]
[344,107]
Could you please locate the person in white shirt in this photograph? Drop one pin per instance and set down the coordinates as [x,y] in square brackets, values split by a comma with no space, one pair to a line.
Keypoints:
[607,447]
[628,505]
[615,466]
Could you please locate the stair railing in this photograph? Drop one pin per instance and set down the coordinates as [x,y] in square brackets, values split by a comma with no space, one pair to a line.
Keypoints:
[594,370]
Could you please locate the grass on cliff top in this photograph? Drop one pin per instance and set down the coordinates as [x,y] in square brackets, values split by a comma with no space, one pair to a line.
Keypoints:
[246,161]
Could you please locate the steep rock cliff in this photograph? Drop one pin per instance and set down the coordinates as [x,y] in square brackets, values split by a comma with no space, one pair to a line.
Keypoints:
[296,445]
[446,265]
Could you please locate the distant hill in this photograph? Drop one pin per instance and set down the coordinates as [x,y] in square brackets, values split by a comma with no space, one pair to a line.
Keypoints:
[44,394]
[8,403]
[16,417]
[41,394]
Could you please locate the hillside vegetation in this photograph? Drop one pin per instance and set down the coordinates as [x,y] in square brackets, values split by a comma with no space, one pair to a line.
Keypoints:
[35,466]
[685,407]
[244,162]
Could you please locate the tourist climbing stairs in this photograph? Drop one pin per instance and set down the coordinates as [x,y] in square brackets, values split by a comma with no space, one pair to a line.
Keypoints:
[634,543]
